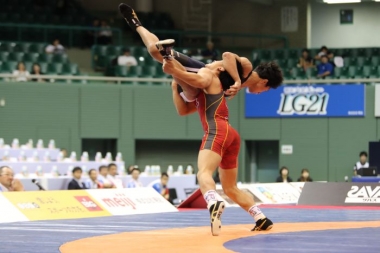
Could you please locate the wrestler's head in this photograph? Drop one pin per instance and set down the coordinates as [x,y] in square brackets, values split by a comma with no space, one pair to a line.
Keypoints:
[264,77]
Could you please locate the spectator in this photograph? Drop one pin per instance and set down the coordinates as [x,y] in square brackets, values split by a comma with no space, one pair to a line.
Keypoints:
[325,68]
[305,60]
[210,53]
[105,34]
[55,48]
[92,182]
[160,185]
[92,34]
[134,182]
[21,74]
[126,59]
[305,176]
[324,51]
[112,176]
[8,182]
[130,169]
[102,177]
[36,70]
[284,176]
[76,183]
[362,163]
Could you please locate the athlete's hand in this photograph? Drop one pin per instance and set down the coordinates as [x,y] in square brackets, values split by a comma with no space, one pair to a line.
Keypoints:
[233,90]
[168,67]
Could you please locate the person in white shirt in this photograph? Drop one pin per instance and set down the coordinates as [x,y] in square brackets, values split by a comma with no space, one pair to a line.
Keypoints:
[92,182]
[113,177]
[7,181]
[105,33]
[134,182]
[362,162]
[102,177]
[21,74]
[55,48]
[126,59]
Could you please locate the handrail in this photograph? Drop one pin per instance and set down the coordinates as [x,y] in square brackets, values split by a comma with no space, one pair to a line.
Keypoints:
[164,80]
[181,34]
[20,27]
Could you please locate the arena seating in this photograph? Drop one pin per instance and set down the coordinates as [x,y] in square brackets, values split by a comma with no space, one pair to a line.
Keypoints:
[11,53]
[358,62]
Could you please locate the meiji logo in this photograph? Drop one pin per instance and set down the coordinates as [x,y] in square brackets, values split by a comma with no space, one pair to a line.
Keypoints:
[119,200]
[363,195]
[88,203]
[28,205]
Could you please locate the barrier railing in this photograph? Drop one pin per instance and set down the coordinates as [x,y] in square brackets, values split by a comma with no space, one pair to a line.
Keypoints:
[19,28]
[119,80]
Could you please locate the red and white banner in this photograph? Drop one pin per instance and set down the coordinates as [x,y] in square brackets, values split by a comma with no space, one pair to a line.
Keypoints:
[132,201]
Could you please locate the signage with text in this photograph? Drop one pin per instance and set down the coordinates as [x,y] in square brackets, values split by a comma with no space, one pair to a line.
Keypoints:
[307,101]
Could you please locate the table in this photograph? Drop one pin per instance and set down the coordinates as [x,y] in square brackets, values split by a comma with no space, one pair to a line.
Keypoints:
[64,168]
[180,183]
[15,152]
[366,179]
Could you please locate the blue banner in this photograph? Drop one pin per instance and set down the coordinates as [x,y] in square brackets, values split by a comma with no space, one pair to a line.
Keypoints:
[307,101]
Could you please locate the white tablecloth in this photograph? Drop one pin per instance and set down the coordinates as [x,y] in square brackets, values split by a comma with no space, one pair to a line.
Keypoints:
[53,153]
[62,167]
[180,183]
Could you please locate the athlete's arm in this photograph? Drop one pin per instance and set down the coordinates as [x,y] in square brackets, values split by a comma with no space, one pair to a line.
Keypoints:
[183,108]
[201,80]
[229,64]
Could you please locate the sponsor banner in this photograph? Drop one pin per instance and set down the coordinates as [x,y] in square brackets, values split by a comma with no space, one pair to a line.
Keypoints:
[51,205]
[307,101]
[131,201]
[275,193]
[377,100]
[298,186]
[340,194]
[8,212]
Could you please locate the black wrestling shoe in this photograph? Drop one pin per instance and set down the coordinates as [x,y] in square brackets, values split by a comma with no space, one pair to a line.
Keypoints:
[263,225]
[130,16]
[216,211]
[165,47]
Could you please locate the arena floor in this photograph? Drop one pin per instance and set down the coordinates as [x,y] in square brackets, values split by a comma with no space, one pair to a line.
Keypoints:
[297,229]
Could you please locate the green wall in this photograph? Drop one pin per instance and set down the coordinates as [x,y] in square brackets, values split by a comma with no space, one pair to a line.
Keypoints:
[69,112]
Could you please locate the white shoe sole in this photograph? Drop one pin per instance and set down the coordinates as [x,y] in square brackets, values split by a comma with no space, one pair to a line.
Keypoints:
[216,223]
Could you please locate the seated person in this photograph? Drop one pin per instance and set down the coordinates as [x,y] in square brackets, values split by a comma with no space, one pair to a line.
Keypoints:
[21,74]
[210,52]
[36,70]
[126,59]
[102,177]
[305,176]
[324,51]
[92,182]
[160,185]
[284,176]
[7,181]
[305,60]
[325,68]
[55,48]
[362,163]
[76,183]
[135,182]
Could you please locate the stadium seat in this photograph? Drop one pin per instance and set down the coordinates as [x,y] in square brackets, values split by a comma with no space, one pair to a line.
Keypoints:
[121,71]
[367,72]
[291,63]
[60,58]
[279,54]
[99,50]
[43,67]
[341,73]
[37,48]
[70,69]
[361,61]
[266,55]
[4,56]
[9,66]
[28,65]
[54,68]
[114,50]
[311,73]
[22,47]
[375,60]
[139,51]
[32,57]
[7,46]
[148,71]
[293,53]
[45,58]
[297,73]
[16,56]
[355,72]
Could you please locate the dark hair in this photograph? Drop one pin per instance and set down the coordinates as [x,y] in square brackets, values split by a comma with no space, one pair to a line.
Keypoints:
[284,168]
[20,62]
[304,170]
[102,167]
[226,79]
[324,48]
[89,172]
[126,50]
[164,174]
[111,164]
[363,153]
[135,169]
[270,71]
[305,50]
[77,169]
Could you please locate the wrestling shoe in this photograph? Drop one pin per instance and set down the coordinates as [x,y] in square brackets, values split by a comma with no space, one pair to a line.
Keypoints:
[216,211]
[263,225]
[165,47]
[130,16]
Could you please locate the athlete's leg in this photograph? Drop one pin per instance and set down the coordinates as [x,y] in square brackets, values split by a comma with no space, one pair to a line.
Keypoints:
[208,161]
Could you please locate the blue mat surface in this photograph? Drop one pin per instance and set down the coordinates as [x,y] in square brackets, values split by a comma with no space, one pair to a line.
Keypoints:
[47,236]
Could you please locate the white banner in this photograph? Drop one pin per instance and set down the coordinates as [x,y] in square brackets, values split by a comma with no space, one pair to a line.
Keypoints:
[377,100]
[289,19]
[276,193]
[8,212]
[132,201]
